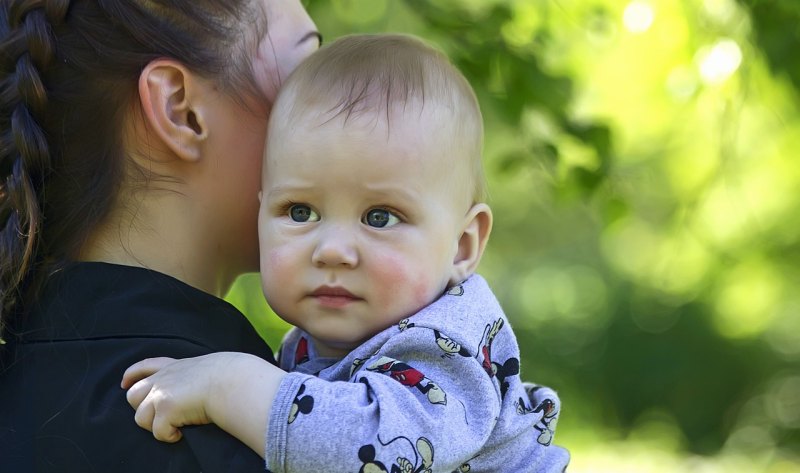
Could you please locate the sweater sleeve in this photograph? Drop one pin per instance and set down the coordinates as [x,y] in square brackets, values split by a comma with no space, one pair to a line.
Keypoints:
[411,406]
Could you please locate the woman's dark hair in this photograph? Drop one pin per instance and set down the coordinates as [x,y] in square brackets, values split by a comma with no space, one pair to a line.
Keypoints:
[68,74]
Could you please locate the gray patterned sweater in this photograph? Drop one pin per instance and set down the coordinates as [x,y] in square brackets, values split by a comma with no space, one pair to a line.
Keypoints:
[438,392]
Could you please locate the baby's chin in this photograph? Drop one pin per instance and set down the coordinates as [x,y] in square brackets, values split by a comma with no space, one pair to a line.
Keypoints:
[335,348]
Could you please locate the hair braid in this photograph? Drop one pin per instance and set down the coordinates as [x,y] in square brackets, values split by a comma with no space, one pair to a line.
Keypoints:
[26,51]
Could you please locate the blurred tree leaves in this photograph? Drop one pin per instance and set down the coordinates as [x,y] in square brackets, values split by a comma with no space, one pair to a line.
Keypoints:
[776,24]
[511,80]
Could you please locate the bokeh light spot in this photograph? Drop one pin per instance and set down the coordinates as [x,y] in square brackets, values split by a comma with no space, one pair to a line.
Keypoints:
[575,294]
[718,62]
[784,334]
[784,402]
[747,301]
[638,17]
[681,83]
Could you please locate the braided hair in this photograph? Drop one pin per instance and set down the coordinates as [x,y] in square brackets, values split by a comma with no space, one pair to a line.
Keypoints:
[68,75]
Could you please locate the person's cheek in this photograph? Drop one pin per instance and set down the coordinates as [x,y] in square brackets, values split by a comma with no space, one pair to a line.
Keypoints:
[266,71]
[278,275]
[401,280]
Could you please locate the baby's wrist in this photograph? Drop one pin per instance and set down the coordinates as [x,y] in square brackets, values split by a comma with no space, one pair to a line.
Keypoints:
[240,397]
[231,393]
[227,378]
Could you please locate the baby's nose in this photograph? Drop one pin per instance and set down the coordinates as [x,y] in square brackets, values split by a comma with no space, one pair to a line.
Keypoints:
[335,248]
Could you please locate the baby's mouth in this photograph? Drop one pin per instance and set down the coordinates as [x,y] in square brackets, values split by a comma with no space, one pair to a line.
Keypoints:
[334,297]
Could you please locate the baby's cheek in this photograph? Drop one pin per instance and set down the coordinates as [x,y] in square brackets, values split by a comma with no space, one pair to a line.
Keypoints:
[275,259]
[269,262]
[279,283]
[275,267]
[403,285]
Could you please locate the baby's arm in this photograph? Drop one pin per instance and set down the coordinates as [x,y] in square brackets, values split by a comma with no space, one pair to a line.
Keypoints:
[407,402]
[233,390]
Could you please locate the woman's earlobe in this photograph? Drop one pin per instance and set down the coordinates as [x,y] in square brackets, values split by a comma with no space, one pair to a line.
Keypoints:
[166,91]
[472,242]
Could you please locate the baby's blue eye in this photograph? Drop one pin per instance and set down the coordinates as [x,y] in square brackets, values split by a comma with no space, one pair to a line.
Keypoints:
[302,213]
[380,218]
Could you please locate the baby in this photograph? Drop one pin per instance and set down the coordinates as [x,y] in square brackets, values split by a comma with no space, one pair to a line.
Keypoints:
[371,226]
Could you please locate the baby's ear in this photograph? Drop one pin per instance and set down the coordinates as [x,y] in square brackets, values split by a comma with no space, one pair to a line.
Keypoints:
[474,234]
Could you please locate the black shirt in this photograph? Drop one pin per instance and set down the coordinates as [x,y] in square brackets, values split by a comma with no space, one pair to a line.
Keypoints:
[61,406]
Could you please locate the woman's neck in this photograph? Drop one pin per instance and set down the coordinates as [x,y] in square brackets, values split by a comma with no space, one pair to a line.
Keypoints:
[165,235]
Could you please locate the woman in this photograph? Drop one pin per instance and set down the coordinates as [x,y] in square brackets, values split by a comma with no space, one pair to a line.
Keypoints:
[130,149]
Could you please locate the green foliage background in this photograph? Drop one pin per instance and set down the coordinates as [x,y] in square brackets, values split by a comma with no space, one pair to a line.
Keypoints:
[641,159]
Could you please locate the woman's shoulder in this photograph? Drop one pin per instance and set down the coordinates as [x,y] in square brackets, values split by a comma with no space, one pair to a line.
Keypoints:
[62,372]
[93,301]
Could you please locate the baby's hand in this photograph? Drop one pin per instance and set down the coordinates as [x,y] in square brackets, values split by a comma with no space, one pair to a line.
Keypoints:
[168,394]
[233,390]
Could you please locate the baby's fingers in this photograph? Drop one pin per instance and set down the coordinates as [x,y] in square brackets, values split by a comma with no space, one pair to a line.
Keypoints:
[163,430]
[138,392]
[143,369]
[145,412]
[148,416]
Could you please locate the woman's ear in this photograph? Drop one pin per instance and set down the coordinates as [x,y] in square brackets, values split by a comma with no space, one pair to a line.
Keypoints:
[472,242]
[169,93]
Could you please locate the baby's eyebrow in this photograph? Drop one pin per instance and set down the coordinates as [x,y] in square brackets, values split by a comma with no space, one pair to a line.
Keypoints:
[287,189]
[394,192]
[285,193]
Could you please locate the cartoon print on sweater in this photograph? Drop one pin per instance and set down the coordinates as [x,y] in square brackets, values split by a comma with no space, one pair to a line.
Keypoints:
[423,458]
[404,324]
[456,290]
[485,346]
[504,371]
[546,424]
[409,376]
[357,363]
[465,467]
[301,404]
[449,346]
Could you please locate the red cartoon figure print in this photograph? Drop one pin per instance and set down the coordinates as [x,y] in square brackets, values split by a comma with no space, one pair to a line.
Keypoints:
[503,371]
[546,424]
[423,458]
[409,376]
[485,346]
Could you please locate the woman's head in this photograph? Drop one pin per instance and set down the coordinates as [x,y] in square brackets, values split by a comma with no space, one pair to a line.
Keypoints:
[76,102]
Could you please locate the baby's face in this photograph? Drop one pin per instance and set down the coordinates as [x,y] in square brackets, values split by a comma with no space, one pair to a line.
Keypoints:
[358,227]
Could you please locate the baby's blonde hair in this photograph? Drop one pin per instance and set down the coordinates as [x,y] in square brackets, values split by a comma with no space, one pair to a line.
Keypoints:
[374,75]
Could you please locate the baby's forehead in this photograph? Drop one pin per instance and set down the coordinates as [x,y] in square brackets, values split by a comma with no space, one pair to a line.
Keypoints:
[368,109]
[422,139]
[429,128]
